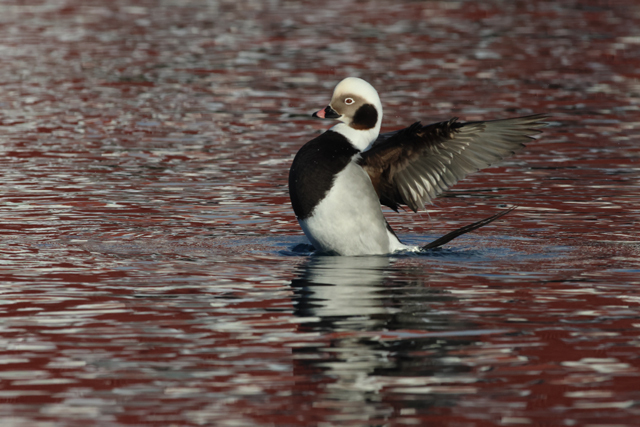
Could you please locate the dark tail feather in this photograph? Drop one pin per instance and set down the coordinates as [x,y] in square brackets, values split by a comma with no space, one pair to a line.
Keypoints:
[462,230]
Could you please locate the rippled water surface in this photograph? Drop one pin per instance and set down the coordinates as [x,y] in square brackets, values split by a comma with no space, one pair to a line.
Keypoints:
[152,271]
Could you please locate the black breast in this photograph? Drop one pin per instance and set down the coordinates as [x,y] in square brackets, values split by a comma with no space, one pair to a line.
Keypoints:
[314,169]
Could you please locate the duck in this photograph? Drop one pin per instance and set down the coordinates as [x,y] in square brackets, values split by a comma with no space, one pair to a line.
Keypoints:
[339,181]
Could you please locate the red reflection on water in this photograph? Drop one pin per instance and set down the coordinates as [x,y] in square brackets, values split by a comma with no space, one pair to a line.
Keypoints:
[146,264]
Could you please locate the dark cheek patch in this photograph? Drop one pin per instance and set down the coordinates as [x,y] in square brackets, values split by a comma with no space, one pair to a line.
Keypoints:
[365,117]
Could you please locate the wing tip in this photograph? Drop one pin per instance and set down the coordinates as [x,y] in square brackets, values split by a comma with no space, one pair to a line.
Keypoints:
[466,229]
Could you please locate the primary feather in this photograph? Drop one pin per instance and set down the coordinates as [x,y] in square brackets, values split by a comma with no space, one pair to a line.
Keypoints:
[414,165]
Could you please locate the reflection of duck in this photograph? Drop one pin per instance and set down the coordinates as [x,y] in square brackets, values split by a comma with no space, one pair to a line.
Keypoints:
[371,327]
[338,180]
[341,286]
[338,291]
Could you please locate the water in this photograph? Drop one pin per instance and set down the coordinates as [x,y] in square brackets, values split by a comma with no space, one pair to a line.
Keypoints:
[152,272]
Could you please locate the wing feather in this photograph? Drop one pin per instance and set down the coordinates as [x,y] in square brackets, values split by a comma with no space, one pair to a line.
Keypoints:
[412,166]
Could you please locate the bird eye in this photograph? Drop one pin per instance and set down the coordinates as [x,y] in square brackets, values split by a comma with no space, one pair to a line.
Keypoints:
[349,101]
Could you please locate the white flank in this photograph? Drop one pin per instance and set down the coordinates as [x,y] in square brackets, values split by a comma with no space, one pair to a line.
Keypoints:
[349,219]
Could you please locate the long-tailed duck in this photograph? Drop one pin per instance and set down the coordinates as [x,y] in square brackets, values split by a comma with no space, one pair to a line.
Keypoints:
[339,180]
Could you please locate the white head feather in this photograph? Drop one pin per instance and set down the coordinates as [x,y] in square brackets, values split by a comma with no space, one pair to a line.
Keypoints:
[360,138]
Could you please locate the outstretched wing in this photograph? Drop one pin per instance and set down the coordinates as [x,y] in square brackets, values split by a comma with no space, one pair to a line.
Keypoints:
[414,165]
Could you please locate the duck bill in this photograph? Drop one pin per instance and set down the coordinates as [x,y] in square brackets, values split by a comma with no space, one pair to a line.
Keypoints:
[326,113]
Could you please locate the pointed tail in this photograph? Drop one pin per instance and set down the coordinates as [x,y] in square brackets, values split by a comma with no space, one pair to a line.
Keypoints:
[462,230]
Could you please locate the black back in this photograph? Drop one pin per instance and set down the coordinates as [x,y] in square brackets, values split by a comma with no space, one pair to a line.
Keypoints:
[314,168]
